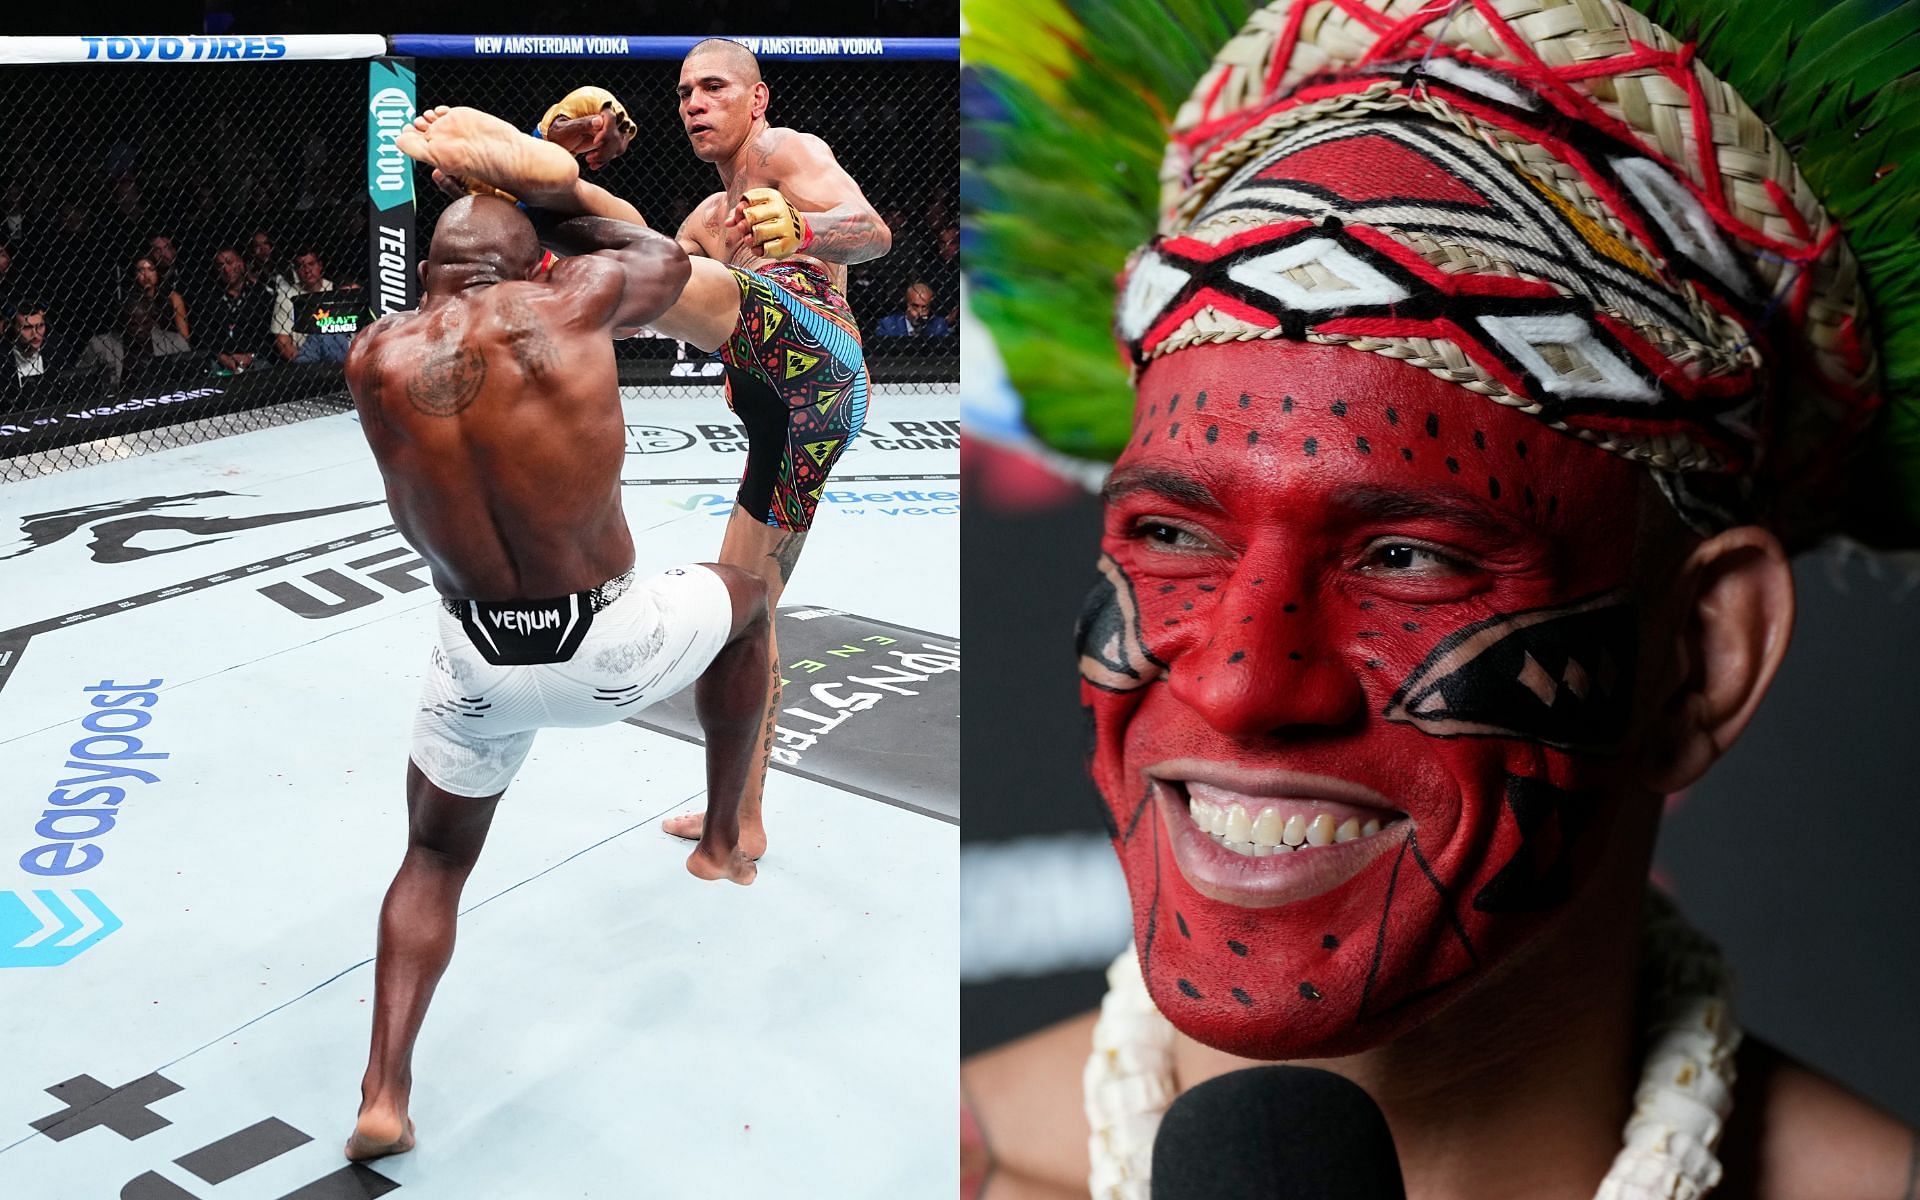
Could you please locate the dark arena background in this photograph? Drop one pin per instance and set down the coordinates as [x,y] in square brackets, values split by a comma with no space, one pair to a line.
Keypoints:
[192,228]
[170,150]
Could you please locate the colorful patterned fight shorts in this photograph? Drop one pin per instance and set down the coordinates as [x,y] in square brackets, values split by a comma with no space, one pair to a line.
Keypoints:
[797,379]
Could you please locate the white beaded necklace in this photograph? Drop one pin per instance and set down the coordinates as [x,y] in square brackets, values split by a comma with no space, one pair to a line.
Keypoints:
[1679,1108]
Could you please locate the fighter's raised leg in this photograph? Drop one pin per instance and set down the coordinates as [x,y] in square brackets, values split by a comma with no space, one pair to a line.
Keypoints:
[444,836]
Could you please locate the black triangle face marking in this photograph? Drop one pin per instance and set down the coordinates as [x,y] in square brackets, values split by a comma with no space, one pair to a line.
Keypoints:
[1561,676]
[1112,654]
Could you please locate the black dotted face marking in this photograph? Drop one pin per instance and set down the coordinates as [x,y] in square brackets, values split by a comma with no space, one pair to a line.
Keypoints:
[1147,438]
[1526,493]
[1520,448]
[1286,607]
[1339,408]
[1200,402]
[1493,487]
[1182,923]
[1237,948]
[1393,418]
[1191,991]
[1410,626]
[1236,656]
[1553,502]
[1311,446]
[1173,431]
[1294,655]
[1479,440]
[1258,582]
[1406,454]
[1329,942]
[1253,437]
[1307,991]
[1286,404]
[1360,444]
[1205,587]
[1153,410]
[1366,606]
[1368,633]
[1373,663]
[1186,606]
[1173,404]
[1243,998]
[1171,621]
[1247,620]
[1433,424]
[1167,587]
[1213,434]
[1245,399]
[1453,464]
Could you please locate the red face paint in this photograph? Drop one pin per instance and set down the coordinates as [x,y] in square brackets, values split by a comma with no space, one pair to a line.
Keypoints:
[1335,585]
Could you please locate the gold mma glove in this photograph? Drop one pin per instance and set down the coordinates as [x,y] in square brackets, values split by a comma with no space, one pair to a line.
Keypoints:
[585,102]
[779,229]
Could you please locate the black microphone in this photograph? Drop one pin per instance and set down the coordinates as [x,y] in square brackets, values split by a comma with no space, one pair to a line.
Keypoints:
[1275,1133]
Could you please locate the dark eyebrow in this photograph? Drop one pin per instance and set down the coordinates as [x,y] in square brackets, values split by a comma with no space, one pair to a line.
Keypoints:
[1443,504]
[1172,485]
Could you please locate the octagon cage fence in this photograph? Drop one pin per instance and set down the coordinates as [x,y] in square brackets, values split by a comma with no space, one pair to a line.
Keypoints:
[192,228]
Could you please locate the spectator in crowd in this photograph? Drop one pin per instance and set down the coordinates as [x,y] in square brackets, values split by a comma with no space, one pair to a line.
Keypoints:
[309,278]
[140,351]
[34,357]
[169,311]
[942,274]
[161,253]
[16,223]
[241,333]
[918,320]
[263,267]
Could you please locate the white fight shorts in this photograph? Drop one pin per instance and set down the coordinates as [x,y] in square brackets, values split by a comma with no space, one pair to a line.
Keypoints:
[592,658]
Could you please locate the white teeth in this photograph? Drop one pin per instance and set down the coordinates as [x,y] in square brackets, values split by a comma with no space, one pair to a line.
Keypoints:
[1320,830]
[1295,833]
[1267,833]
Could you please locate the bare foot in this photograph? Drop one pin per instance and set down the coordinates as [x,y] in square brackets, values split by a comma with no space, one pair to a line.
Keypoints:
[737,866]
[753,832]
[378,1135]
[475,145]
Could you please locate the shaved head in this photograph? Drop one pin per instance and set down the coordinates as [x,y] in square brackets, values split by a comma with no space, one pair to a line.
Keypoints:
[739,60]
[484,231]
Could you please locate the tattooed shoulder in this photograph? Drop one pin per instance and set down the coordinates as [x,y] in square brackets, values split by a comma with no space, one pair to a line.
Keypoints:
[447,382]
[526,336]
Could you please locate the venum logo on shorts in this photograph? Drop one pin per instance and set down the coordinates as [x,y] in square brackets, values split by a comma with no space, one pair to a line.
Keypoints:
[656,439]
[525,620]
[46,927]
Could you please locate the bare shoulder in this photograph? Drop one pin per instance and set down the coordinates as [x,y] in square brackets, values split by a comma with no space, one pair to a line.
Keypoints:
[1797,1135]
[1026,1096]
[794,145]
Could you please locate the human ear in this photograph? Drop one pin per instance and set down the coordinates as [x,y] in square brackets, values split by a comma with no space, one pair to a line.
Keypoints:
[1734,620]
[762,97]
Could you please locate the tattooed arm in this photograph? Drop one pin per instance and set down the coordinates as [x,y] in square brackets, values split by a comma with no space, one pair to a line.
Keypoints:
[846,229]
[628,274]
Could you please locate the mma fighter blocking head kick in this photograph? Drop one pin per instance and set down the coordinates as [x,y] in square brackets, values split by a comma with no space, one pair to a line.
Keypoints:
[1486,362]
[494,414]
[770,254]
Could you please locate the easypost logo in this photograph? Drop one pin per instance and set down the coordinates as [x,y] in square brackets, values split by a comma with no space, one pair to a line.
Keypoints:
[656,439]
[45,927]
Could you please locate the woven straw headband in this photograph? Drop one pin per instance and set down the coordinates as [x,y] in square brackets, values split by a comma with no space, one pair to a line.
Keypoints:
[1569,215]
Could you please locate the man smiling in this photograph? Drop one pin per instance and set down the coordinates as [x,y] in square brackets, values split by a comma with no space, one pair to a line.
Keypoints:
[1477,405]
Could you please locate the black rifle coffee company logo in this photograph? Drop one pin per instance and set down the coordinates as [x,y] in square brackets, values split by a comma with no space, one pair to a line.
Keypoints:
[115,525]
[656,439]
